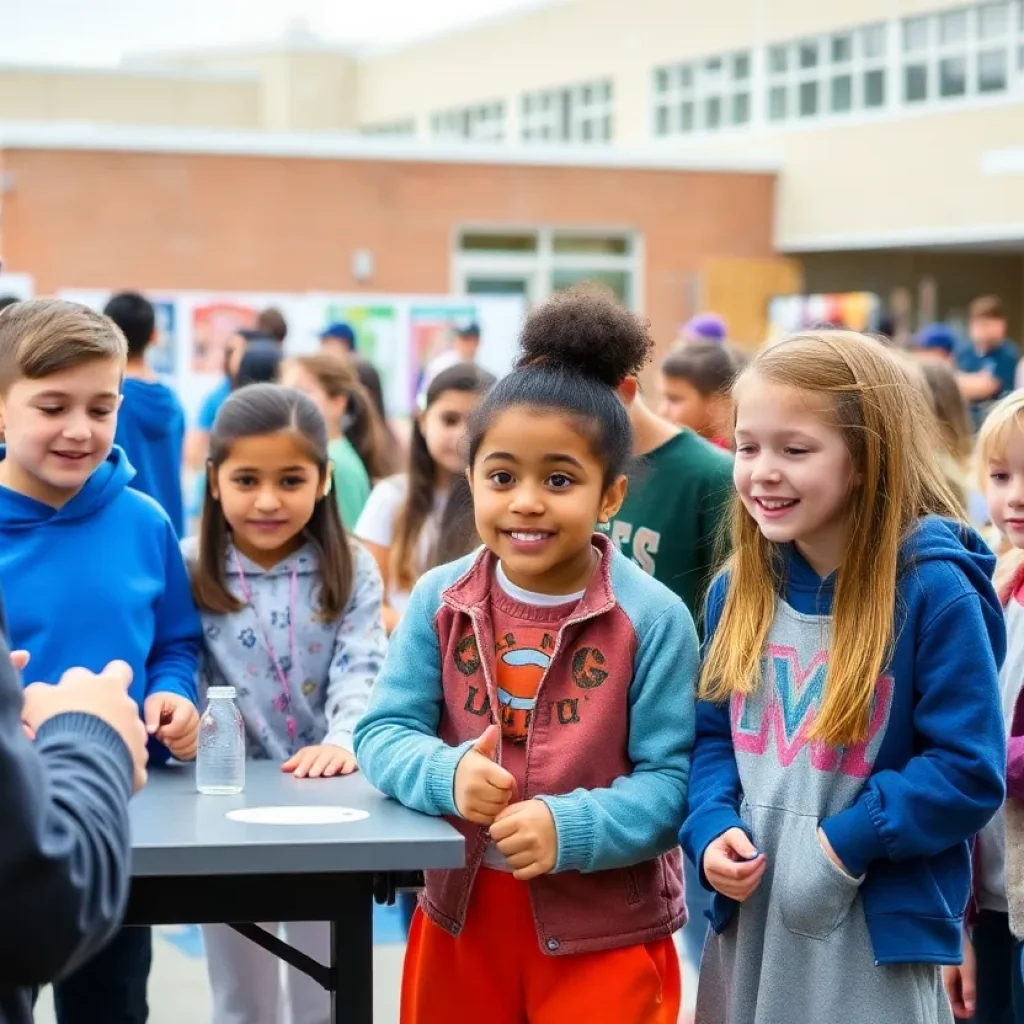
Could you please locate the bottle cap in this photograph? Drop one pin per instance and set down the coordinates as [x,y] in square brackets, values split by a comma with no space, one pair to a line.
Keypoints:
[221,693]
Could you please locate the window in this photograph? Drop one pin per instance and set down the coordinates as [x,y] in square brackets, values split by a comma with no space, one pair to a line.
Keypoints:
[828,75]
[967,51]
[580,113]
[540,262]
[482,123]
[404,127]
[703,95]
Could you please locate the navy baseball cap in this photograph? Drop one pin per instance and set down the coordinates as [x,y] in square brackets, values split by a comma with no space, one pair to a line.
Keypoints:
[339,331]
[937,337]
[471,330]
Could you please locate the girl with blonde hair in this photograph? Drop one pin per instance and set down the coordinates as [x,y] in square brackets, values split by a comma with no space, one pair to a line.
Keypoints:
[849,736]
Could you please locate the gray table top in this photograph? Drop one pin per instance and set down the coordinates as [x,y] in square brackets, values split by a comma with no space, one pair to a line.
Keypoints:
[177,831]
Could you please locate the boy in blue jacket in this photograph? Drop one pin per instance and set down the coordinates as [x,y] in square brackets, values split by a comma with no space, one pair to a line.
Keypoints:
[150,421]
[91,568]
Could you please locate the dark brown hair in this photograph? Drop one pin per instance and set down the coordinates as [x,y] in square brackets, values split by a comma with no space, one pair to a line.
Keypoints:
[363,427]
[708,366]
[271,322]
[255,411]
[988,307]
[422,470]
[41,337]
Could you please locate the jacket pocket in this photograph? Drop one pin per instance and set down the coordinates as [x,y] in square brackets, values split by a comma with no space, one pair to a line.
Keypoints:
[814,895]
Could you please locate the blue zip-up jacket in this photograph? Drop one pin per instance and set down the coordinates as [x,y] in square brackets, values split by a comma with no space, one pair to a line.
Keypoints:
[151,433]
[938,776]
[98,579]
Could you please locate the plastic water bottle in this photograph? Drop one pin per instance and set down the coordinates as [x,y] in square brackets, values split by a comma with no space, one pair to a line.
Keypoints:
[220,761]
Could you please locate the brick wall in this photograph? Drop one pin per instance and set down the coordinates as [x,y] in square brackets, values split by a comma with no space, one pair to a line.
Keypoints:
[181,221]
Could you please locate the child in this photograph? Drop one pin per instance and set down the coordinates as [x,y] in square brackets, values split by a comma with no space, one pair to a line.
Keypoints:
[989,986]
[695,383]
[90,568]
[988,365]
[331,382]
[936,343]
[291,618]
[150,421]
[849,740]
[538,695]
[399,523]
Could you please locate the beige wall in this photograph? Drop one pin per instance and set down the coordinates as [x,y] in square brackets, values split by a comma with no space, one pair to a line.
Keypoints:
[124,97]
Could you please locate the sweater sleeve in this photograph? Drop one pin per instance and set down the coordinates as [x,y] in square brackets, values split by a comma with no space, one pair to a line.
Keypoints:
[636,818]
[954,785]
[359,650]
[715,790]
[171,667]
[396,741]
[65,854]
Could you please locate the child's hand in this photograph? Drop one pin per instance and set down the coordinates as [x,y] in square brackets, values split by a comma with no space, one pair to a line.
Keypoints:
[526,837]
[732,865]
[174,721]
[323,760]
[483,789]
[830,853]
[960,984]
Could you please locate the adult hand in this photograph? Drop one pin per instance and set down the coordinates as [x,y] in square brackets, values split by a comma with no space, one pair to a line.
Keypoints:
[174,721]
[104,695]
[483,789]
[732,865]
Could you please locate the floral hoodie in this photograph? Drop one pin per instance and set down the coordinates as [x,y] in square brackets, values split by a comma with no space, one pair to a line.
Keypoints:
[320,685]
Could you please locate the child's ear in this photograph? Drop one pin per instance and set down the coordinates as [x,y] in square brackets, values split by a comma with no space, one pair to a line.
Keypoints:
[211,480]
[469,478]
[325,487]
[612,499]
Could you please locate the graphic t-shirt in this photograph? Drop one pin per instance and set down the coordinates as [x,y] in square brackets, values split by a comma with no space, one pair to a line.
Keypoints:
[526,626]
[671,521]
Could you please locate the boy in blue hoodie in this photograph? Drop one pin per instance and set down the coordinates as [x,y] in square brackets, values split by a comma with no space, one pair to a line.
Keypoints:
[150,421]
[91,568]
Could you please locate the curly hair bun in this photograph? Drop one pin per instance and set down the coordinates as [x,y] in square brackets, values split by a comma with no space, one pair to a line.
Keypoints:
[586,331]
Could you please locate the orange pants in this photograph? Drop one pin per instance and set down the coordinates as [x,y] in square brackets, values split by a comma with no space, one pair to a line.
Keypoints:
[495,971]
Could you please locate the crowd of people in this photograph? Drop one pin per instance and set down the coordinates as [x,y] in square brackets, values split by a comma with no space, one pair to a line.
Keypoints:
[739,661]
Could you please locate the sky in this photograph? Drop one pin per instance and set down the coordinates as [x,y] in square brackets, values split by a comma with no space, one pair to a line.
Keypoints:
[101,32]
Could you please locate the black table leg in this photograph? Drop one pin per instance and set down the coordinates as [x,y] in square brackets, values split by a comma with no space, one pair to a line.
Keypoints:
[352,959]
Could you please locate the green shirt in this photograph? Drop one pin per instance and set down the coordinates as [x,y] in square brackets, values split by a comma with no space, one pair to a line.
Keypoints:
[673,521]
[351,483]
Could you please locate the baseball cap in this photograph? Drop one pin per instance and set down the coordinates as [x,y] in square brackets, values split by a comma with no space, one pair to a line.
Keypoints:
[339,331]
[471,330]
[937,337]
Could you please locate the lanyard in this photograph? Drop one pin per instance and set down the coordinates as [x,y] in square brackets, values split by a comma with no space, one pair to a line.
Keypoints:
[285,702]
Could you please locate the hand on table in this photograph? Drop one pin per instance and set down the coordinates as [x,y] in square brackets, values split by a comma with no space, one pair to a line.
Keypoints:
[323,760]
[104,695]
[174,721]
[483,789]
[526,837]
[732,866]
[960,983]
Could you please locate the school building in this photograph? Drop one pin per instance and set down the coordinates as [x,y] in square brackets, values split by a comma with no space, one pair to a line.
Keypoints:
[888,136]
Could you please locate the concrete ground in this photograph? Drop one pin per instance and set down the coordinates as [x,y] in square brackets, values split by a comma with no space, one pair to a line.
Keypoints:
[179,993]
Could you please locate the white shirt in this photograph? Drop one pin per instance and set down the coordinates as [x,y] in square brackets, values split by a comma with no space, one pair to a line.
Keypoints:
[376,525]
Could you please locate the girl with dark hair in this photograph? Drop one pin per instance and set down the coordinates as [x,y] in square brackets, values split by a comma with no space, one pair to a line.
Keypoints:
[399,524]
[291,613]
[539,695]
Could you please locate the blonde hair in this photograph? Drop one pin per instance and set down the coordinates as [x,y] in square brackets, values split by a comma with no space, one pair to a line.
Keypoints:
[1005,417]
[41,337]
[873,402]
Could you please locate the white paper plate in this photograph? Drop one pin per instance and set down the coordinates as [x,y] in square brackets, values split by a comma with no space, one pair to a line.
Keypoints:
[310,815]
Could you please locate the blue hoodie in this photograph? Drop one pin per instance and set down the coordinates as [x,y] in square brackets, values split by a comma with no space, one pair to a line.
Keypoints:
[98,579]
[151,431]
[937,775]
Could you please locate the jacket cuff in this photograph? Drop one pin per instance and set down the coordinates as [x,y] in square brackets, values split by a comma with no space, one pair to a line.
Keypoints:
[854,837]
[441,776]
[574,829]
[89,730]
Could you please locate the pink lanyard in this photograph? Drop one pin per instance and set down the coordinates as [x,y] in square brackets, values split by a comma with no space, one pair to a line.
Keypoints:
[286,690]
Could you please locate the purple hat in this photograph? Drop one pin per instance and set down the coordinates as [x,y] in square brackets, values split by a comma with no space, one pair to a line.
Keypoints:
[705,327]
